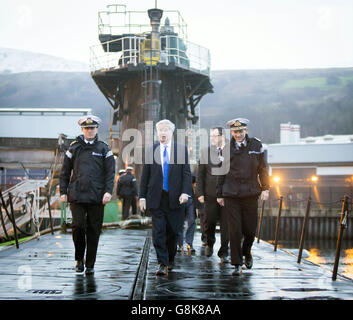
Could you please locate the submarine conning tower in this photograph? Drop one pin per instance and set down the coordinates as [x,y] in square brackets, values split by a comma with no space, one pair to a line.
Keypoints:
[148,71]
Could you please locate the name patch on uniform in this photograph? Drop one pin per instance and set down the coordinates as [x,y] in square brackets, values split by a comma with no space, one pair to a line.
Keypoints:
[97,154]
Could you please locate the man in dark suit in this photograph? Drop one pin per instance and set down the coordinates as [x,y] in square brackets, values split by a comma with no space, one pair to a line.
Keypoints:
[207,194]
[165,187]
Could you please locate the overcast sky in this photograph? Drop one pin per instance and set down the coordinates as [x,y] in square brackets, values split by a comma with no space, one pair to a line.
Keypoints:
[241,34]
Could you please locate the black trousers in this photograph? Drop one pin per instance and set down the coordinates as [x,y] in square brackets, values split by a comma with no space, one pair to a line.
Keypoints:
[242,221]
[127,203]
[215,213]
[202,217]
[87,220]
[166,224]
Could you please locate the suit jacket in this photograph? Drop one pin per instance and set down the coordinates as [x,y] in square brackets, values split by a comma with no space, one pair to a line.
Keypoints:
[179,177]
[206,182]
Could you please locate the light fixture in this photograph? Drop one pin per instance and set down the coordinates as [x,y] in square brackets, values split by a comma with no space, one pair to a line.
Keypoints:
[276,178]
[314,178]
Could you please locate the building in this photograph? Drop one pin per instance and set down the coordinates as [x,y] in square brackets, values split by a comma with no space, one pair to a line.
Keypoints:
[29,138]
[321,167]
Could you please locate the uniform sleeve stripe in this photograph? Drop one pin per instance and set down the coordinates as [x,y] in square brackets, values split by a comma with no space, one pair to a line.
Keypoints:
[109,153]
[68,154]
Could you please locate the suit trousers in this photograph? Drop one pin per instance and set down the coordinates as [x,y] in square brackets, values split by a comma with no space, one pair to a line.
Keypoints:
[166,224]
[127,203]
[190,217]
[242,221]
[87,220]
[214,213]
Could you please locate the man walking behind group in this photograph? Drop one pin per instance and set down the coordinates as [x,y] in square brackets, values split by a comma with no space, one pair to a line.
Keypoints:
[206,192]
[127,190]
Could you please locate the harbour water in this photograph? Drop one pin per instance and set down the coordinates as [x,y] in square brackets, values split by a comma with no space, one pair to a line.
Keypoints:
[323,253]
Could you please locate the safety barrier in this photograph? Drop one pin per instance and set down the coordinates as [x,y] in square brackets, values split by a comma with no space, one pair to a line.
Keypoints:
[345,208]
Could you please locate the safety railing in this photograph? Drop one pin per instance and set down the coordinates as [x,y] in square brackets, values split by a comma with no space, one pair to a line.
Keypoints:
[118,53]
[12,216]
[346,206]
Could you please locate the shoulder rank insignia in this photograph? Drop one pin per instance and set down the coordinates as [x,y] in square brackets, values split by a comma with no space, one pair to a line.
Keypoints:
[73,142]
[257,139]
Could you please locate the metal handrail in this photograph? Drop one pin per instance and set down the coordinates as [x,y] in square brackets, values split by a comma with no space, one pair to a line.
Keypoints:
[342,225]
[173,49]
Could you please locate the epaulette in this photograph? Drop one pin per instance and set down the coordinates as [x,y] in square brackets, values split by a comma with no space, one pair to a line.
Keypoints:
[257,139]
[104,143]
[73,142]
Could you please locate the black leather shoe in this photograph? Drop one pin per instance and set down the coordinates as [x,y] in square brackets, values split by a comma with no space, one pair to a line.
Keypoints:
[162,270]
[209,251]
[171,266]
[237,271]
[89,271]
[248,261]
[79,266]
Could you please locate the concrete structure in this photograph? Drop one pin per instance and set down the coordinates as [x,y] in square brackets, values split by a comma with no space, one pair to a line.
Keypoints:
[29,138]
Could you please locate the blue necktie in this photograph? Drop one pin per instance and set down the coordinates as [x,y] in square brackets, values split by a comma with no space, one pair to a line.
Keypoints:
[165,169]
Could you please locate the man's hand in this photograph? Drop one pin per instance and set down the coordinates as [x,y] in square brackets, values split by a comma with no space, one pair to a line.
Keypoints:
[63,198]
[142,204]
[183,198]
[220,201]
[264,195]
[106,198]
[201,199]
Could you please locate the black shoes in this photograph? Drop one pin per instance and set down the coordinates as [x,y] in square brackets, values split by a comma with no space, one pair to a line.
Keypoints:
[79,266]
[171,266]
[89,270]
[162,270]
[237,271]
[224,259]
[208,251]
[248,261]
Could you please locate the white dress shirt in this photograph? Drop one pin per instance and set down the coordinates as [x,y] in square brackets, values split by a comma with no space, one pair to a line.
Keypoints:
[88,142]
[238,144]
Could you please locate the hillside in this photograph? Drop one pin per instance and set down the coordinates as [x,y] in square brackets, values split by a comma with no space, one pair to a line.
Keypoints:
[15,61]
[321,100]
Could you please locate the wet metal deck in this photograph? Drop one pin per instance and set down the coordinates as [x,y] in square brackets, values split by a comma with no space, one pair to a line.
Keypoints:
[44,270]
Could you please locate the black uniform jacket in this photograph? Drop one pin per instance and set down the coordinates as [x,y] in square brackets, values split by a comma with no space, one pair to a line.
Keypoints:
[127,186]
[248,173]
[206,182]
[88,171]
[179,177]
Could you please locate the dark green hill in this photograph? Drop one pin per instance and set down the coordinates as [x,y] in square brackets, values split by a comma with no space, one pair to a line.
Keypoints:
[320,100]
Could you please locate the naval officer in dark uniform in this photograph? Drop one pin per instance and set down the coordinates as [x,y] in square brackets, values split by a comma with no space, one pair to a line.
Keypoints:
[238,190]
[86,182]
[127,190]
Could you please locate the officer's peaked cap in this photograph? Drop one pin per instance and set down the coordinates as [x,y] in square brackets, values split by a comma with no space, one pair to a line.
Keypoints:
[238,123]
[89,121]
